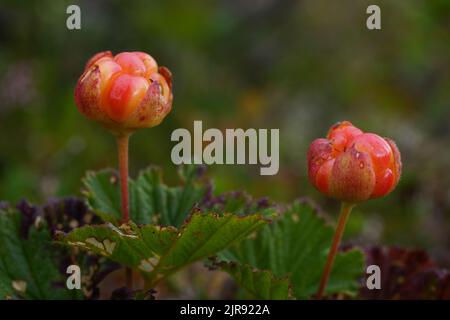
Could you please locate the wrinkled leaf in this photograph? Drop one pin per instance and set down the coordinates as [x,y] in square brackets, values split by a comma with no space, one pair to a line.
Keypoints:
[151,201]
[296,245]
[57,214]
[28,262]
[159,251]
[103,193]
[262,284]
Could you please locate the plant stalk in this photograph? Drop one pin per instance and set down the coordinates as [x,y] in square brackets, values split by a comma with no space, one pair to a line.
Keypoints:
[346,208]
[122,147]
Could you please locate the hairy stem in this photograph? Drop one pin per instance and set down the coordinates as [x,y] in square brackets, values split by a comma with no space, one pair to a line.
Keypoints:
[346,208]
[122,147]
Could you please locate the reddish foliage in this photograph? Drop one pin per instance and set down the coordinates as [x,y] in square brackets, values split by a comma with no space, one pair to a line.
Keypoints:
[407,274]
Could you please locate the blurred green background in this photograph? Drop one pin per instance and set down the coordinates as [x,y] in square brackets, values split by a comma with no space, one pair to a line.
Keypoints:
[298,66]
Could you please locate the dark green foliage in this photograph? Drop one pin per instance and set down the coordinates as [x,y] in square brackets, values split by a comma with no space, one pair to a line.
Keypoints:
[151,200]
[295,246]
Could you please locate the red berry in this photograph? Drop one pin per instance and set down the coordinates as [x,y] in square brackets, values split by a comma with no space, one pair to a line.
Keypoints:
[124,92]
[353,166]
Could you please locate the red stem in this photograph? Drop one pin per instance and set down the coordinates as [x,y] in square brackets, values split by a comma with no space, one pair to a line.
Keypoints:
[346,208]
[122,144]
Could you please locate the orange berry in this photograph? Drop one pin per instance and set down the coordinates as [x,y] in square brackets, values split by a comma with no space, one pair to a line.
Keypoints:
[353,166]
[124,92]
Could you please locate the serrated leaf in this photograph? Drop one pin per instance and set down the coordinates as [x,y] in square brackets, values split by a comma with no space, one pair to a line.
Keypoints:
[296,245]
[150,199]
[260,283]
[159,251]
[103,193]
[239,202]
[27,263]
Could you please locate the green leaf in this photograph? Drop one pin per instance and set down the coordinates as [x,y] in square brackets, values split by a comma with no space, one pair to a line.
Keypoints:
[171,204]
[296,245]
[103,193]
[260,283]
[28,266]
[150,199]
[159,251]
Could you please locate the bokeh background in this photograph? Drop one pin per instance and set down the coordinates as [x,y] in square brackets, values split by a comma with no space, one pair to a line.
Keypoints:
[298,66]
